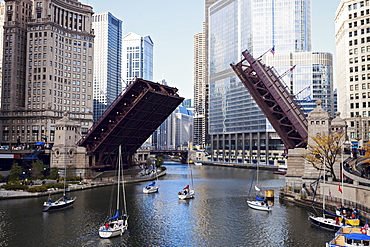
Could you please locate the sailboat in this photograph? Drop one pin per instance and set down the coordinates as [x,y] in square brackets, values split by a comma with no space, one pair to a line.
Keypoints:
[152,187]
[259,203]
[187,192]
[118,223]
[322,221]
[62,202]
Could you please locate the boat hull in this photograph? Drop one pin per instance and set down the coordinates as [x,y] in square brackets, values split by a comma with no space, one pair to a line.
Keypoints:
[326,223]
[115,228]
[186,196]
[259,206]
[60,204]
[150,189]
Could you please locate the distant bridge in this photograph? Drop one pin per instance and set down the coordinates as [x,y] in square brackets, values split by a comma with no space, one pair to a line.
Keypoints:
[182,154]
[129,121]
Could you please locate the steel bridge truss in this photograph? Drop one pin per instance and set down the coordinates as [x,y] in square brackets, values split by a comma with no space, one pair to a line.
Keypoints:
[129,121]
[274,99]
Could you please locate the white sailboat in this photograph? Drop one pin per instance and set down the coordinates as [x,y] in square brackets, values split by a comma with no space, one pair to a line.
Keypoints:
[258,203]
[330,223]
[117,224]
[62,202]
[187,192]
[152,187]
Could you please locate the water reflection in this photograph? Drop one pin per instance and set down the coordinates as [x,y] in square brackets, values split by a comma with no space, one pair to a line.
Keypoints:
[217,216]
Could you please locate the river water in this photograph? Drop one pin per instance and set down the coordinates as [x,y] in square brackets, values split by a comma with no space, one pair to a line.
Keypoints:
[217,216]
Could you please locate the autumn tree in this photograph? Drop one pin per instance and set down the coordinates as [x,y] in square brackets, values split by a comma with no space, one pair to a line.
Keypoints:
[325,151]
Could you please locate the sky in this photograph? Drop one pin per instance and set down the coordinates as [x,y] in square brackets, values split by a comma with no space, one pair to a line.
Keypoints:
[172,25]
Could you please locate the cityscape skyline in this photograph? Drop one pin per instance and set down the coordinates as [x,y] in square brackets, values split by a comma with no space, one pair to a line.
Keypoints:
[173,58]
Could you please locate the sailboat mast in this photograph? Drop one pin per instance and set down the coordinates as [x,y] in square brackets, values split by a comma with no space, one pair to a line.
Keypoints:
[124,192]
[119,174]
[65,178]
[323,190]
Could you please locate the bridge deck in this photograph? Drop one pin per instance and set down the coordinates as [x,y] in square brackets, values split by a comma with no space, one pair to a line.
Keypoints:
[275,101]
[130,120]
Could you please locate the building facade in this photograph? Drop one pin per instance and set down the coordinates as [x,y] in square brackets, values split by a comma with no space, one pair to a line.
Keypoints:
[176,132]
[279,33]
[352,33]
[200,91]
[107,62]
[137,57]
[47,68]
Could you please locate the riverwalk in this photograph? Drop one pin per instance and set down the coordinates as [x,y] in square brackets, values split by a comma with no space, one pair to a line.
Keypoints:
[11,194]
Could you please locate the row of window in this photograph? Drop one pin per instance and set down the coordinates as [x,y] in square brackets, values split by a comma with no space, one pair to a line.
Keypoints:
[362,31]
[360,4]
[362,40]
[363,77]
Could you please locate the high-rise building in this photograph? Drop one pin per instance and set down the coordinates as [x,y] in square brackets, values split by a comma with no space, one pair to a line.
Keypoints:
[352,33]
[107,62]
[137,57]
[200,90]
[279,33]
[176,132]
[47,68]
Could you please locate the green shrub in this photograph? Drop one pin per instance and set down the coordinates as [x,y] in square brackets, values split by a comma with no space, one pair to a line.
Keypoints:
[55,185]
[14,187]
[41,188]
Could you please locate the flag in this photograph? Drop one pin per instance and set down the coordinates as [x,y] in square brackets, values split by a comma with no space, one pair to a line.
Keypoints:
[340,189]
[256,188]
[330,194]
[272,50]
[186,187]
[308,98]
[152,184]
[292,68]
[366,226]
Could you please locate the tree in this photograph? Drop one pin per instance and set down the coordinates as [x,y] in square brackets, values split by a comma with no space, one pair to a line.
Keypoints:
[54,173]
[159,162]
[15,172]
[325,151]
[37,169]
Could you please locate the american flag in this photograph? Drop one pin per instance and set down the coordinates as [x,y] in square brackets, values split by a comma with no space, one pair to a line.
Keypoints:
[272,50]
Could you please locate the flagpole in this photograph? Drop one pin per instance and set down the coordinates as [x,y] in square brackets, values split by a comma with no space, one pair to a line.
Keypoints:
[342,174]
[265,53]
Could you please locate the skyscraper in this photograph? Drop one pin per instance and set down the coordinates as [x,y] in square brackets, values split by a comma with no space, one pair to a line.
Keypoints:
[200,90]
[47,68]
[352,29]
[137,57]
[108,61]
[279,32]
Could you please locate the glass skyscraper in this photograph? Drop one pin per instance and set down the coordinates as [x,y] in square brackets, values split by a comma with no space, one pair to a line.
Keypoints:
[107,61]
[239,130]
[137,57]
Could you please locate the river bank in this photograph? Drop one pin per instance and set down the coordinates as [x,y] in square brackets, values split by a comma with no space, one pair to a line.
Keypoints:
[10,194]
